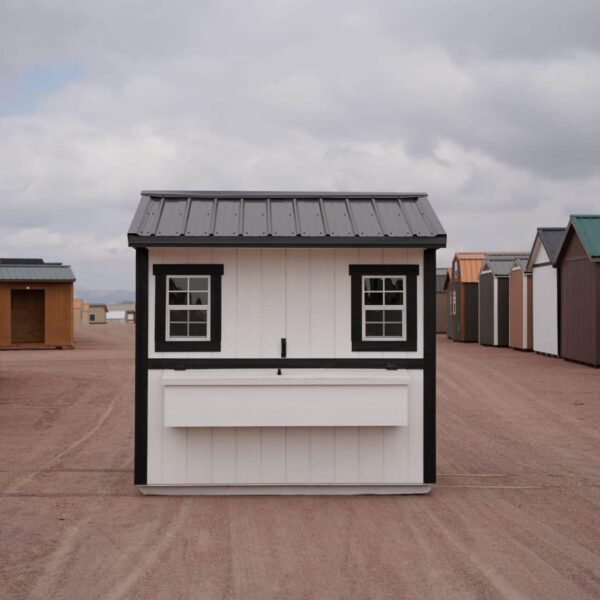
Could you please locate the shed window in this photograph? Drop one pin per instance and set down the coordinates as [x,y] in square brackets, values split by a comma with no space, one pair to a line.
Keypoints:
[454,302]
[384,307]
[92,318]
[188,308]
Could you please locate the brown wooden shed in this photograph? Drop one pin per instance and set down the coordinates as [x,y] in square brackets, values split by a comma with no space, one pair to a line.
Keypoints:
[520,306]
[463,296]
[36,304]
[578,263]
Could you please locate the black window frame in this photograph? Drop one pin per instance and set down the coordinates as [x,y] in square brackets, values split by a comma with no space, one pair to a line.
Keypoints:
[357,272]
[161,272]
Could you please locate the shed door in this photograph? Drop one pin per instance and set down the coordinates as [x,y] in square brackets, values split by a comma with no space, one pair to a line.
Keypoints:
[27,316]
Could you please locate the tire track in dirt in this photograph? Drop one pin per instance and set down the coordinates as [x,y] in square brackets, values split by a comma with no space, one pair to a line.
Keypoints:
[19,482]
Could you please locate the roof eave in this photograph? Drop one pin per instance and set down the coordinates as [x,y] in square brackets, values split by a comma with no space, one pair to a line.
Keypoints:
[136,241]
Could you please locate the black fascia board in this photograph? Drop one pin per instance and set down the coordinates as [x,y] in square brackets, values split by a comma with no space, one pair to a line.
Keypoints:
[136,241]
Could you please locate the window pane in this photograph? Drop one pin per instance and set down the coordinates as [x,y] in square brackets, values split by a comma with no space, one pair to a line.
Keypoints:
[198,316]
[177,298]
[393,316]
[178,283]
[179,315]
[198,329]
[394,283]
[393,298]
[393,329]
[199,283]
[374,298]
[373,284]
[178,329]
[374,329]
[199,298]
[374,316]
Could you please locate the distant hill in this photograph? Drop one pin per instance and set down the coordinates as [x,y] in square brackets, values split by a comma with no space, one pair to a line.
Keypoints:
[105,296]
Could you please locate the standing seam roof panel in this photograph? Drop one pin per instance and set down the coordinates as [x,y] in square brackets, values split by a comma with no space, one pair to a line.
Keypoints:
[172,220]
[366,220]
[200,218]
[282,218]
[337,218]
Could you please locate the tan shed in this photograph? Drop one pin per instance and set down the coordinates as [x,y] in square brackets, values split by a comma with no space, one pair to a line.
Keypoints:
[36,304]
[97,314]
[520,306]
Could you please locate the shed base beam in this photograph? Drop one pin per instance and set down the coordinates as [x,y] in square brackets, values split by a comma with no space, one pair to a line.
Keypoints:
[282,490]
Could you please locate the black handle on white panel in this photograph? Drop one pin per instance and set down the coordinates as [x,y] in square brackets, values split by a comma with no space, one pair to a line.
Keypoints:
[283,347]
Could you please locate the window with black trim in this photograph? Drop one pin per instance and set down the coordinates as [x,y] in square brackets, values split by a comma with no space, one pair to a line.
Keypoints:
[188,308]
[384,307]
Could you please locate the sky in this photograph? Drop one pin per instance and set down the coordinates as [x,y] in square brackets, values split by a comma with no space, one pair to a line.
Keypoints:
[491,107]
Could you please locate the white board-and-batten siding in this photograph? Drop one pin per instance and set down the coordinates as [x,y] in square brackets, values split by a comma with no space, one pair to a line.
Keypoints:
[545,303]
[302,295]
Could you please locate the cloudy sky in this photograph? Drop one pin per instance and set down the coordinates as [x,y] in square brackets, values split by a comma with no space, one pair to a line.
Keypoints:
[492,107]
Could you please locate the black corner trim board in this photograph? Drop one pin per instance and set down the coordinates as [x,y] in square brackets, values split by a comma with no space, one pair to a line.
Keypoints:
[429,371]
[161,344]
[411,272]
[141,368]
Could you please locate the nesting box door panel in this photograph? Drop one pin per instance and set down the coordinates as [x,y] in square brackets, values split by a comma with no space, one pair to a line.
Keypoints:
[278,455]
[27,316]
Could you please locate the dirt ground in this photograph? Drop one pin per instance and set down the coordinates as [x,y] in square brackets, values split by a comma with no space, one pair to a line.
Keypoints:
[516,513]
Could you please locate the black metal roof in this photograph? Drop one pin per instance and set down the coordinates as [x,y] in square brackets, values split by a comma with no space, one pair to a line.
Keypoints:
[501,264]
[285,219]
[551,238]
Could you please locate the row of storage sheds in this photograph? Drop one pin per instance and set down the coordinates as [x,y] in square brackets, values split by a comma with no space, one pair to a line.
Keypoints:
[547,301]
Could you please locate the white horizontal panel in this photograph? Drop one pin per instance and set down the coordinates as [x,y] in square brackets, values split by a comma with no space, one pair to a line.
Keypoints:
[285,405]
[287,377]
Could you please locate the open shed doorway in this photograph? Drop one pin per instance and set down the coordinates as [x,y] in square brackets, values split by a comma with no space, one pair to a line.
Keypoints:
[27,316]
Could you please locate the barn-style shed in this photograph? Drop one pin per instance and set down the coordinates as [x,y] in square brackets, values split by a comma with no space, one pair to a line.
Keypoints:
[463,296]
[578,263]
[545,289]
[494,298]
[520,306]
[441,302]
[285,342]
[36,304]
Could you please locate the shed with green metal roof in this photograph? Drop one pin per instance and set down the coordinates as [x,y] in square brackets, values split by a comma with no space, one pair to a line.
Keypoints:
[578,264]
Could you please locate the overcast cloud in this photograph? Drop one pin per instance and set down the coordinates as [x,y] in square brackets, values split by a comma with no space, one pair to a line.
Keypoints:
[493,108]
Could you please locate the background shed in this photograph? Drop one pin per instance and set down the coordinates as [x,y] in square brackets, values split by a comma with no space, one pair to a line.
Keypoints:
[578,262]
[545,289]
[441,302]
[36,304]
[463,296]
[494,298]
[520,308]
[97,313]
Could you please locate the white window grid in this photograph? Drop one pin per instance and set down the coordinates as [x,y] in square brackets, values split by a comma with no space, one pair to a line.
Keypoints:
[383,307]
[188,307]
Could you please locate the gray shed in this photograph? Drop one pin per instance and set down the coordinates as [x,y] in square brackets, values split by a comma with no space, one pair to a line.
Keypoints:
[494,298]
